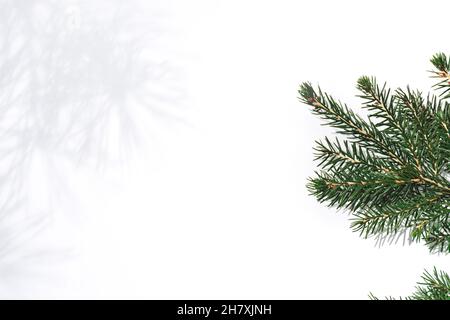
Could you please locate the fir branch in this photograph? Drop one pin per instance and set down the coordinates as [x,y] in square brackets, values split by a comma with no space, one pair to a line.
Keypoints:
[361,188]
[392,173]
[341,117]
[380,102]
[434,285]
[442,64]
[423,217]
[345,155]
[437,234]
[420,113]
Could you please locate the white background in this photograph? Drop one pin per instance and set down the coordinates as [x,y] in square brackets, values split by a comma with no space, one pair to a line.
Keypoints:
[159,150]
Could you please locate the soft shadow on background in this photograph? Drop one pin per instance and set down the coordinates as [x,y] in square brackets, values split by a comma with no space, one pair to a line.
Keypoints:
[81,85]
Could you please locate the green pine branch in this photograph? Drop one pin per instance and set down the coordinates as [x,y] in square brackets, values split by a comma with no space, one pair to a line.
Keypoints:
[442,72]
[434,286]
[391,170]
